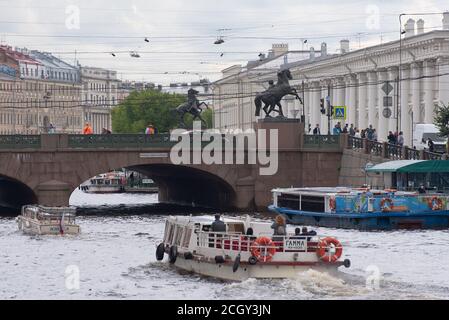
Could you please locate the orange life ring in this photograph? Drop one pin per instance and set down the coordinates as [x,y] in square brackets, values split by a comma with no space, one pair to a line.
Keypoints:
[332,204]
[324,247]
[383,202]
[436,204]
[263,249]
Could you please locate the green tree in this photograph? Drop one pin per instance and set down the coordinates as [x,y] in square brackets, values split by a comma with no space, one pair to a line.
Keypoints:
[442,119]
[142,108]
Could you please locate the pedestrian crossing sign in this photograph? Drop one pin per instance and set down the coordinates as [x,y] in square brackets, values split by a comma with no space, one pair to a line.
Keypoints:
[340,113]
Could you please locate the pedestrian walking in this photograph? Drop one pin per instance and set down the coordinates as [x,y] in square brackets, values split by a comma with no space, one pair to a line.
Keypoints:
[87,129]
[352,130]
[401,139]
[150,130]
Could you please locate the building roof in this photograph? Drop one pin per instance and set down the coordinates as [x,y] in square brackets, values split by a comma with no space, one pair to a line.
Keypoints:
[411,166]
[50,60]
[6,77]
[18,56]
[268,65]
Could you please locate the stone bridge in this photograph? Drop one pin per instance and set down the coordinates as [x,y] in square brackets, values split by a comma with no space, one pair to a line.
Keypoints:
[46,169]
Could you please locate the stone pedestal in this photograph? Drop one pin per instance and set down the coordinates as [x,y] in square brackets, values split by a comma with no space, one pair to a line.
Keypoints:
[244,192]
[290,132]
[54,193]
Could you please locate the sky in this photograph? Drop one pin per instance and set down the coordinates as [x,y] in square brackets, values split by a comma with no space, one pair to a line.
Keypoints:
[181,34]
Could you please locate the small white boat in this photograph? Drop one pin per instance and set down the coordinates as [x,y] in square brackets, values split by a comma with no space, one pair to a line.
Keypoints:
[112,182]
[40,220]
[237,255]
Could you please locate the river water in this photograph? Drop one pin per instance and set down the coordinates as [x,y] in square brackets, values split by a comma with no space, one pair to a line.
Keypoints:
[115,257]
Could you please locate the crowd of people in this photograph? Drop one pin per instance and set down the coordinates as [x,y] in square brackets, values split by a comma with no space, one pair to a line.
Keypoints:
[279,227]
[369,133]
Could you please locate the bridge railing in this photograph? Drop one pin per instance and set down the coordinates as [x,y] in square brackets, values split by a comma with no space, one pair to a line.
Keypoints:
[432,156]
[120,141]
[390,151]
[321,142]
[355,143]
[20,141]
[375,148]
[412,154]
[394,152]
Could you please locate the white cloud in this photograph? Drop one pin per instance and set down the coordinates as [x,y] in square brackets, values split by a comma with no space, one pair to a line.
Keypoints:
[317,21]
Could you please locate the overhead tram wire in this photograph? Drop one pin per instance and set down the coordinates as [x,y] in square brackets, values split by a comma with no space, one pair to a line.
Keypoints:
[187,37]
[174,99]
[262,81]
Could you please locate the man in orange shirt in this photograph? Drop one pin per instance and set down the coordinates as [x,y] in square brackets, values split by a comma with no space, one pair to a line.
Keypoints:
[87,129]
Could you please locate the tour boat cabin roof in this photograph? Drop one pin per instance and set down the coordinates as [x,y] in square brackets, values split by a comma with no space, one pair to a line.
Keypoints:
[337,191]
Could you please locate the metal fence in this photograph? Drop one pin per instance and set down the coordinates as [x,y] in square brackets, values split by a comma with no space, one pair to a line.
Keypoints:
[120,141]
[390,151]
[394,152]
[20,141]
[355,143]
[412,154]
[321,142]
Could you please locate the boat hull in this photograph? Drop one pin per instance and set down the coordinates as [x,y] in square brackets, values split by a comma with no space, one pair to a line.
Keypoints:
[435,220]
[104,190]
[33,228]
[246,271]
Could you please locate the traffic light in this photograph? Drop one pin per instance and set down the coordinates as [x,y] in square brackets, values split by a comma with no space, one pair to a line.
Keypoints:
[323,110]
[331,111]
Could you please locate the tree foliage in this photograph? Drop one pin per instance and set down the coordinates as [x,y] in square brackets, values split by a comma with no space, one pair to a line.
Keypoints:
[142,108]
[442,119]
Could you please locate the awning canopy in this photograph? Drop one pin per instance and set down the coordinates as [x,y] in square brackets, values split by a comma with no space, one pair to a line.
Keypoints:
[411,166]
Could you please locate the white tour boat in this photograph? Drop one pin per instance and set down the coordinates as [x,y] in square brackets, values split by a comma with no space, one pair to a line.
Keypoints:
[40,220]
[237,255]
[112,182]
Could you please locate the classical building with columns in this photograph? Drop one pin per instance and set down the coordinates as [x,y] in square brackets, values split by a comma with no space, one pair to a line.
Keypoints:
[100,93]
[417,68]
[233,95]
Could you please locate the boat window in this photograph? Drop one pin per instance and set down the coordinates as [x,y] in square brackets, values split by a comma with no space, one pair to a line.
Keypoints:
[312,203]
[236,228]
[187,235]
[170,233]
[207,228]
[290,201]
[167,228]
[178,235]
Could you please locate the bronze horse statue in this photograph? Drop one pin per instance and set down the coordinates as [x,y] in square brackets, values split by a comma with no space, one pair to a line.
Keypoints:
[192,106]
[273,96]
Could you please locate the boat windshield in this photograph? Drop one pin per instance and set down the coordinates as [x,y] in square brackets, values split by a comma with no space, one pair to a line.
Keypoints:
[434,136]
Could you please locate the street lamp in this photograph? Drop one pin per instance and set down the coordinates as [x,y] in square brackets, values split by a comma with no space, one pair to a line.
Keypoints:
[411,114]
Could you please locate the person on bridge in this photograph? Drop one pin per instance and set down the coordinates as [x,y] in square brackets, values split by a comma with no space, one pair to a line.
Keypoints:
[87,129]
[317,131]
[401,139]
[431,145]
[150,130]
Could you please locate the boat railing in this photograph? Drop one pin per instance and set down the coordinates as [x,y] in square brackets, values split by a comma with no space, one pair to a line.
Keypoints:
[244,243]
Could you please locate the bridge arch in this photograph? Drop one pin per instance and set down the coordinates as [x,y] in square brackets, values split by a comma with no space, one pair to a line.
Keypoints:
[14,194]
[206,186]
